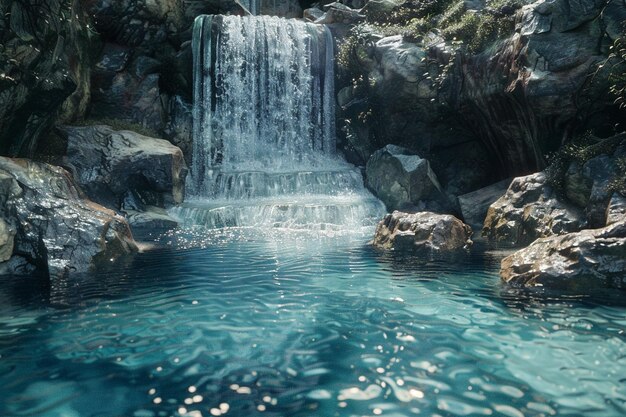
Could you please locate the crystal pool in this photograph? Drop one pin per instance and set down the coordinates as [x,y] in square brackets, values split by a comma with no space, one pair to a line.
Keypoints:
[236,323]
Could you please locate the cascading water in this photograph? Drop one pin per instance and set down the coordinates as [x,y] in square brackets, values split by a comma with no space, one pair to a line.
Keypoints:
[264,130]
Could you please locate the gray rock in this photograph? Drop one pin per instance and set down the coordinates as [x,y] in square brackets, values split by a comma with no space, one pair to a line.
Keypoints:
[374,9]
[312,14]
[7,234]
[110,164]
[402,179]
[57,231]
[151,218]
[339,13]
[474,205]
[45,67]
[616,210]
[593,258]
[423,233]
[529,210]
[179,127]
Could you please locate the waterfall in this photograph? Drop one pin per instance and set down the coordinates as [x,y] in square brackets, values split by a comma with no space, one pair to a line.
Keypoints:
[264,151]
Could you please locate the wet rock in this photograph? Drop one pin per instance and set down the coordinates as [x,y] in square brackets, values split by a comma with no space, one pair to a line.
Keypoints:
[313,14]
[339,13]
[593,258]
[423,233]
[45,62]
[179,127]
[109,165]
[616,210]
[150,219]
[6,241]
[402,179]
[529,210]
[57,231]
[128,90]
[474,205]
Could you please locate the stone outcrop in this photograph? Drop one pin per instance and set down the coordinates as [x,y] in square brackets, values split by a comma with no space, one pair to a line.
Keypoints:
[56,231]
[7,236]
[475,205]
[582,261]
[530,209]
[505,106]
[123,169]
[424,234]
[44,70]
[403,180]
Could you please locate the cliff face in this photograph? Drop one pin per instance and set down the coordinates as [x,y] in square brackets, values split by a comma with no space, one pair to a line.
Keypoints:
[489,112]
[44,69]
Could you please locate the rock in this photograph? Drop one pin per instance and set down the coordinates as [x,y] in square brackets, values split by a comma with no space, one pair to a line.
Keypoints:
[530,210]
[402,179]
[616,210]
[111,164]
[582,261]
[128,91]
[45,65]
[56,230]
[6,241]
[377,9]
[339,13]
[179,128]
[313,14]
[150,219]
[424,233]
[474,205]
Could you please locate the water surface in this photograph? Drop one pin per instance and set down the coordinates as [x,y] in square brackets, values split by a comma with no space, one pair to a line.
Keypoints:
[245,324]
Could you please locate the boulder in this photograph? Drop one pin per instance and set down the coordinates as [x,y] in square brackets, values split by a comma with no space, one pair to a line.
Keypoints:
[529,210]
[313,14]
[582,261]
[6,240]
[150,219]
[402,179]
[616,210]
[113,166]
[339,13]
[474,205]
[57,231]
[424,233]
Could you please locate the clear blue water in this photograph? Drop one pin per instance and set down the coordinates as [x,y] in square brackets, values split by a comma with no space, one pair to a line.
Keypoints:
[240,324]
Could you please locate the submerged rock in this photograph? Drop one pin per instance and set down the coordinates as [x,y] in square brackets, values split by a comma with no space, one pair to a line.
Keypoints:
[423,233]
[576,261]
[56,230]
[402,179]
[530,210]
[117,166]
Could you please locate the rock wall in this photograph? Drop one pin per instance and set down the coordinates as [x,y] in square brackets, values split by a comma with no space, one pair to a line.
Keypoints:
[44,69]
[487,115]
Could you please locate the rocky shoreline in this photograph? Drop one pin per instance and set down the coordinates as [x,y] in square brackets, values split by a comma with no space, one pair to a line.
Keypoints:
[517,137]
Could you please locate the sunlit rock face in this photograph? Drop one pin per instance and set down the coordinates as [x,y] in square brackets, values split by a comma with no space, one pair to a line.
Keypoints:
[530,209]
[402,180]
[582,193]
[56,230]
[492,114]
[593,258]
[424,234]
[122,168]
